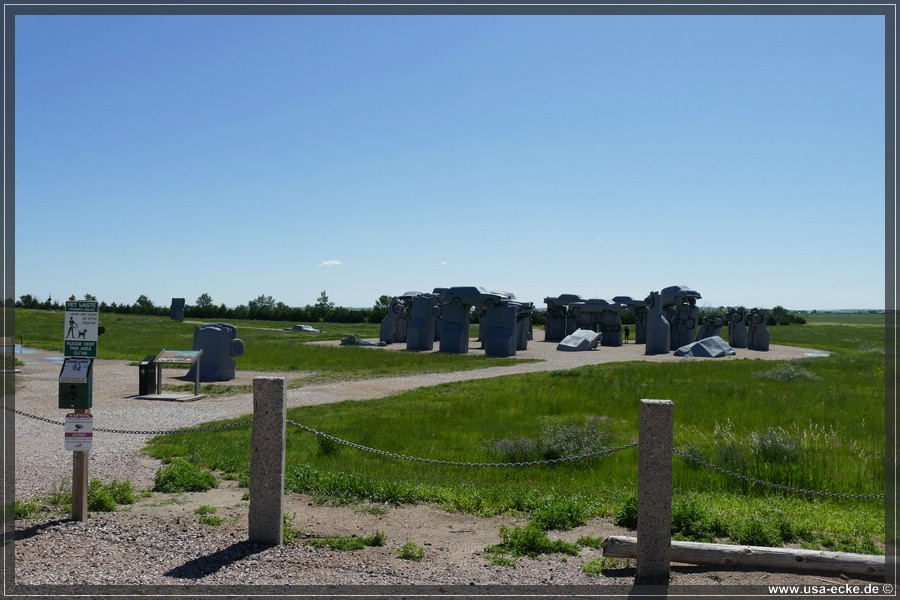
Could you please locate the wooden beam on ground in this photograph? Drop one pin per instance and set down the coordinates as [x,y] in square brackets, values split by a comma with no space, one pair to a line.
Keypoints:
[727,555]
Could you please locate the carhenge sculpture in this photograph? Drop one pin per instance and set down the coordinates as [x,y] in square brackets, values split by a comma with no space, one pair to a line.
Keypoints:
[557,313]
[759,335]
[664,335]
[412,318]
[639,309]
[597,315]
[506,323]
[394,324]
[712,326]
[737,327]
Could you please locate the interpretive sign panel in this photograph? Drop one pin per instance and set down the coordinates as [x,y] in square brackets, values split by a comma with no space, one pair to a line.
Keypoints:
[178,357]
[81,329]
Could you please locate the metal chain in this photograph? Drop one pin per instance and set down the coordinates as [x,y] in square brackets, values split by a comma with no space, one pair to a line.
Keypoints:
[138,431]
[452,463]
[37,418]
[552,461]
[178,431]
[779,486]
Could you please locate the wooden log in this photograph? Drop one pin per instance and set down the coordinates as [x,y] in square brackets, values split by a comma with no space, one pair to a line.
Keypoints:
[727,555]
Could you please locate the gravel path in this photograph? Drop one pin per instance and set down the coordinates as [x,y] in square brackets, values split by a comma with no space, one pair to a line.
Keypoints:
[160,542]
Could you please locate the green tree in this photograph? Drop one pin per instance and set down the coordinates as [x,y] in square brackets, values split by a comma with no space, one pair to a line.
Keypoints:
[380,309]
[29,301]
[261,307]
[781,316]
[144,306]
[204,300]
[323,308]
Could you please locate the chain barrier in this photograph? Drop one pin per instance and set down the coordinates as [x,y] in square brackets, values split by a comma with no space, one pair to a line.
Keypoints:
[452,463]
[779,486]
[552,461]
[138,431]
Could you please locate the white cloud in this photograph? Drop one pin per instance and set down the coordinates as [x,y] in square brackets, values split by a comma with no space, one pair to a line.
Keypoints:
[331,263]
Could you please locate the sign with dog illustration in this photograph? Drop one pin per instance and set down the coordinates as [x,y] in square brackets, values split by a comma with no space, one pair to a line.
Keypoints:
[81,329]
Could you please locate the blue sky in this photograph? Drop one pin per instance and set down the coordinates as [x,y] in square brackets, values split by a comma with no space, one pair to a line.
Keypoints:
[172,156]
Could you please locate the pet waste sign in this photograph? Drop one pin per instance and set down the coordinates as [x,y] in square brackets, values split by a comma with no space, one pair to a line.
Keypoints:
[81,329]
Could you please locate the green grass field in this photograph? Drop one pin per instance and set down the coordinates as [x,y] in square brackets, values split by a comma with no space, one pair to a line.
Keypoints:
[863,319]
[815,423]
[269,347]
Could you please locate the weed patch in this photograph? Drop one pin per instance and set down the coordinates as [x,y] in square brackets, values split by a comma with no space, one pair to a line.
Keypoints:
[288,533]
[411,551]
[347,543]
[560,512]
[25,510]
[528,541]
[104,497]
[594,566]
[588,541]
[207,515]
[787,372]
[557,439]
[183,476]
[626,516]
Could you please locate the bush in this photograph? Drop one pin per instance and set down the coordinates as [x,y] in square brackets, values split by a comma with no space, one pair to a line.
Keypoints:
[99,497]
[122,491]
[104,497]
[560,512]
[182,476]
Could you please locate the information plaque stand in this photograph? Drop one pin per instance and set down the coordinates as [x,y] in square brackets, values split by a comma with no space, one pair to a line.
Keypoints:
[176,357]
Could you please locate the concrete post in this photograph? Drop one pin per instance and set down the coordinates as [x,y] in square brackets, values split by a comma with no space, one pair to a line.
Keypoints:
[267,447]
[654,511]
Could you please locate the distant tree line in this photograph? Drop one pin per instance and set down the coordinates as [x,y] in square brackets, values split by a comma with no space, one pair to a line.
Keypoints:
[263,307]
[778,315]
[266,308]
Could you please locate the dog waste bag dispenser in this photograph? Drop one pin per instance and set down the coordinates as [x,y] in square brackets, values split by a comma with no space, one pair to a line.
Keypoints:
[75,383]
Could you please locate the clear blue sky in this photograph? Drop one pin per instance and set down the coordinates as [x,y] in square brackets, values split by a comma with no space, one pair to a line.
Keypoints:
[172,156]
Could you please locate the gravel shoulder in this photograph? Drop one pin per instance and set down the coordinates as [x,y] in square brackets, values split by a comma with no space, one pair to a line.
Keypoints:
[159,540]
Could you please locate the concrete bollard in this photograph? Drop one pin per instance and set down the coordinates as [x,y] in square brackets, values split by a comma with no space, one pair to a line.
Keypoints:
[654,510]
[267,447]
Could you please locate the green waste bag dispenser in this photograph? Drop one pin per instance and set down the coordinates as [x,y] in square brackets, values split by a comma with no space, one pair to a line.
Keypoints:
[76,382]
